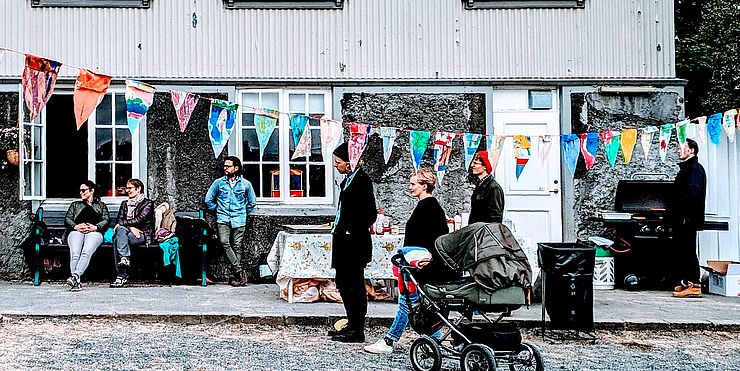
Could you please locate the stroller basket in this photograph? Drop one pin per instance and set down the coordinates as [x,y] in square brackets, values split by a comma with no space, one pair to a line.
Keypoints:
[501,336]
[424,318]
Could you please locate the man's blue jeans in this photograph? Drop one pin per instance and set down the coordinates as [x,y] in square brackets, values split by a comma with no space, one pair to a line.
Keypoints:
[402,318]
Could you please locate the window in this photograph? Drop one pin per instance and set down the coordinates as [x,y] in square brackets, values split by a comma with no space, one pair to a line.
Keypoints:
[512,4]
[310,179]
[57,157]
[284,4]
[92,3]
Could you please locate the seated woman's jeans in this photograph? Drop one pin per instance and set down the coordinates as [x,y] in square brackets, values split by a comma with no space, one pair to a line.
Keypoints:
[402,318]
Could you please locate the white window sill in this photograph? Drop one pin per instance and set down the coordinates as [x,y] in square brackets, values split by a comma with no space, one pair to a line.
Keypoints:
[294,210]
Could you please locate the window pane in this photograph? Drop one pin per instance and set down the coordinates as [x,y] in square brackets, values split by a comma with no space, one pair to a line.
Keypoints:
[270,100]
[104,178]
[123,174]
[270,180]
[251,148]
[121,110]
[247,119]
[103,145]
[252,174]
[297,103]
[316,155]
[317,181]
[26,114]
[123,145]
[298,181]
[39,180]
[251,100]
[316,103]
[103,114]
[27,129]
[27,179]
[272,150]
[37,142]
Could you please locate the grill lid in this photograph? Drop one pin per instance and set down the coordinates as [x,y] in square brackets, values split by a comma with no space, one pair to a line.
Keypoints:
[642,196]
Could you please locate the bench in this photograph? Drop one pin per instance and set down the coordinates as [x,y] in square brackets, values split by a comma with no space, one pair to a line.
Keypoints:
[48,231]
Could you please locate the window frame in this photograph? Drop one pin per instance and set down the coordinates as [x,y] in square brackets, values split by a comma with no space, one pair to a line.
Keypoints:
[143,4]
[522,4]
[39,121]
[136,154]
[284,138]
[284,4]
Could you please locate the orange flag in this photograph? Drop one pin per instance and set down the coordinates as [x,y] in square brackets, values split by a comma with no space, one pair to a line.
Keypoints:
[89,91]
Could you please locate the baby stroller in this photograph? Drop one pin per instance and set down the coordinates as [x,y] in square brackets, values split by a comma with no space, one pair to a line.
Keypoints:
[495,276]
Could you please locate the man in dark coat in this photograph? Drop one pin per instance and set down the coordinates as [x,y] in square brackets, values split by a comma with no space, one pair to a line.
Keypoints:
[487,202]
[352,245]
[686,216]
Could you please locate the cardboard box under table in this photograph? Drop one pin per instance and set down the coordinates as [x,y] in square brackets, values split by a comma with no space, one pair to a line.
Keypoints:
[303,251]
[724,277]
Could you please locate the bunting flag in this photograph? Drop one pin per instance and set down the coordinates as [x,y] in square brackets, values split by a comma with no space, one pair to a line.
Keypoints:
[665,139]
[297,126]
[442,151]
[571,147]
[389,138]
[646,139]
[221,123]
[39,78]
[714,128]
[494,144]
[357,142]
[184,106]
[702,129]
[265,121]
[373,130]
[418,140]
[331,136]
[628,140]
[471,141]
[303,147]
[522,152]
[612,142]
[89,91]
[544,148]
[139,97]
[681,132]
[589,146]
[728,123]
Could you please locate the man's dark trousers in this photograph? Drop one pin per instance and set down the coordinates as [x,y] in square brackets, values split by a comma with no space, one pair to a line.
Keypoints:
[351,285]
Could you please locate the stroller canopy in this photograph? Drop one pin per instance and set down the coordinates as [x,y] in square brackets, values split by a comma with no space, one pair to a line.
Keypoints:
[489,252]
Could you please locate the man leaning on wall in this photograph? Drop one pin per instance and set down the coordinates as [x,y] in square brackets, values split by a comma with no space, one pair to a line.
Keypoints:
[232,197]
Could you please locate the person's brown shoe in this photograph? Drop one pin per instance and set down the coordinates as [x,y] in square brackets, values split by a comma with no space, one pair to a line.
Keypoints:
[235,280]
[683,285]
[691,291]
[243,278]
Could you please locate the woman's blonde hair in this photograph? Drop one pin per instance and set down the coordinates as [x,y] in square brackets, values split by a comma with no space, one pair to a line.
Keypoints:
[425,177]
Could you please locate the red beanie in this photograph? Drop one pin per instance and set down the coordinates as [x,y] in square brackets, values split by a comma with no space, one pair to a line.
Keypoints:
[486,162]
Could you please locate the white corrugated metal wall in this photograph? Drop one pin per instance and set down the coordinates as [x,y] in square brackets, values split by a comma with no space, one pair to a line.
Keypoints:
[373,39]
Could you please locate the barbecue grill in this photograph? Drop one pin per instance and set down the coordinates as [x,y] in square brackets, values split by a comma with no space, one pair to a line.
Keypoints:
[638,220]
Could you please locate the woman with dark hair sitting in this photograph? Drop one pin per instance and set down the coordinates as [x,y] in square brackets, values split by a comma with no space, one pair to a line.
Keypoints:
[135,225]
[86,220]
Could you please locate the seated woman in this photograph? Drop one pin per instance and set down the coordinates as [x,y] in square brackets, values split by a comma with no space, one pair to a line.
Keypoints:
[135,225]
[86,220]
[427,222]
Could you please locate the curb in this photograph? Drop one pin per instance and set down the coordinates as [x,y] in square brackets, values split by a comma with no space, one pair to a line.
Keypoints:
[318,321]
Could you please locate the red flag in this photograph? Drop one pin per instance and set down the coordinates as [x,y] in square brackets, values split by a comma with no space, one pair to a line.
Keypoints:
[39,77]
[89,91]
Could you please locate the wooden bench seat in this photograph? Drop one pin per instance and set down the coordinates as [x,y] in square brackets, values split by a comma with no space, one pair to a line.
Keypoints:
[49,229]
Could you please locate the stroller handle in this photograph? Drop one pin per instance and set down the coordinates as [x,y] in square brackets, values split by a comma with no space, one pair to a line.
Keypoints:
[399,261]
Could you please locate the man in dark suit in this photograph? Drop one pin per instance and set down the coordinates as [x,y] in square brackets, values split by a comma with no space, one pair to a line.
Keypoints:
[686,215]
[352,245]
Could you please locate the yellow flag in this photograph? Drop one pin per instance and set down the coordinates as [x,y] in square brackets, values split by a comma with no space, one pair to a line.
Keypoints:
[629,138]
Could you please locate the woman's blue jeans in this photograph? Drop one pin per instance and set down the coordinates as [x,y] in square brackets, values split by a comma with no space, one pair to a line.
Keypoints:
[402,318]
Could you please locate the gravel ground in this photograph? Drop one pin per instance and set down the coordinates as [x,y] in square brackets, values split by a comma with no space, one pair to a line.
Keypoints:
[59,344]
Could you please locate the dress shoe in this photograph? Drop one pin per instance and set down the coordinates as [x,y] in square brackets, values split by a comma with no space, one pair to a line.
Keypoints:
[334,332]
[351,336]
[692,291]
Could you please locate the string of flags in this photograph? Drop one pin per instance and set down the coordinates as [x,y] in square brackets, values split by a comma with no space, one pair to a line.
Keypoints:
[40,74]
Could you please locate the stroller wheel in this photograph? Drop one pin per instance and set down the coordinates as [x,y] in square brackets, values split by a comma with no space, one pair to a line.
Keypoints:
[528,358]
[425,354]
[477,357]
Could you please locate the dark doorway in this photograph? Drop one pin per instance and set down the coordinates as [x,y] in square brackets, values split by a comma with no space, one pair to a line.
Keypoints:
[66,149]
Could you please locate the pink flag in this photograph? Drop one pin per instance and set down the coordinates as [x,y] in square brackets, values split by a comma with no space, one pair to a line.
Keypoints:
[357,143]
[442,152]
[184,105]
[589,146]
[544,148]
[331,135]
[39,78]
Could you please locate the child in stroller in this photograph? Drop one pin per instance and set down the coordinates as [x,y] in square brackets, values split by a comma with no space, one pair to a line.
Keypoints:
[498,278]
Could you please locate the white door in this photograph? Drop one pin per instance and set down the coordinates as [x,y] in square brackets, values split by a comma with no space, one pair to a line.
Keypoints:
[533,201]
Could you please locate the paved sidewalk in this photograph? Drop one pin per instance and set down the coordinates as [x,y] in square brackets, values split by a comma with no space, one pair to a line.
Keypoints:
[613,309]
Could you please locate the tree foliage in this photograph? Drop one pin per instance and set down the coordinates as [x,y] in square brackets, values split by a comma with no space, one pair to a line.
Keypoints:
[708,54]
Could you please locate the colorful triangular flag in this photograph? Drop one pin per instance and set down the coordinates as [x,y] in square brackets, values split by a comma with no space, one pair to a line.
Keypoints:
[589,146]
[297,125]
[331,136]
[184,103]
[265,121]
[89,91]
[494,144]
[612,143]
[522,152]
[357,142]
[665,139]
[39,78]
[139,97]
[681,132]
[389,138]
[471,141]
[442,152]
[629,138]
[545,143]
[303,148]
[221,123]
[646,139]
[714,128]
[728,123]
[418,141]
[571,148]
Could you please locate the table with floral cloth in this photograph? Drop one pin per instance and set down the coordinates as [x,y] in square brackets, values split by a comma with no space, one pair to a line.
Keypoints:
[308,256]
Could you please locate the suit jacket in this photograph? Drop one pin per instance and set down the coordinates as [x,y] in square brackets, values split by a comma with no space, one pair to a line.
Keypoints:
[351,242]
[143,217]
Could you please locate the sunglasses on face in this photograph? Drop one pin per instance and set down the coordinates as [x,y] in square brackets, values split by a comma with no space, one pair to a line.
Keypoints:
[83,190]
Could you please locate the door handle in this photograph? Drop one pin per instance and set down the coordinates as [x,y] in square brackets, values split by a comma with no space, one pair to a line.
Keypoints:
[555,191]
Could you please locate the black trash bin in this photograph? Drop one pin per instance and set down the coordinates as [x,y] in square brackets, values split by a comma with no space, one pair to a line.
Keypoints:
[567,284]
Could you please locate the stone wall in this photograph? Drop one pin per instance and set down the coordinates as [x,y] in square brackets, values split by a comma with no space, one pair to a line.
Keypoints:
[595,189]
